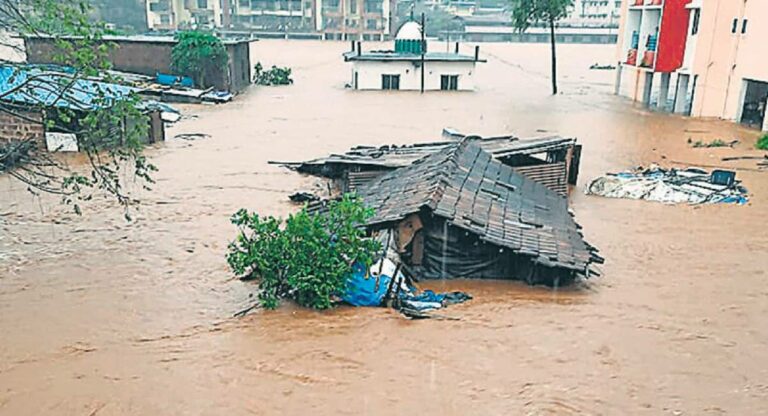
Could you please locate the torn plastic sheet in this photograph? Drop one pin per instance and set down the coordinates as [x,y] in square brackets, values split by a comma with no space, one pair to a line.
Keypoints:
[369,287]
[670,186]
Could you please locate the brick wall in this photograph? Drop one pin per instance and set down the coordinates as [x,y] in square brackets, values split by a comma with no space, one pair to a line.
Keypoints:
[149,58]
[15,128]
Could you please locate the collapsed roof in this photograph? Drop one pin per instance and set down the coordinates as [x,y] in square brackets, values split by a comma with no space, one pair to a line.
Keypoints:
[471,190]
[393,156]
[361,164]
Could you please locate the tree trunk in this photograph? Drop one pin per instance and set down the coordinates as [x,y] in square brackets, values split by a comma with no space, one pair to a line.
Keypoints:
[554,55]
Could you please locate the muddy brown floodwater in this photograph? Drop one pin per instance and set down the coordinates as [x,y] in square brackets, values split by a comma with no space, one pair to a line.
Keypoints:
[103,317]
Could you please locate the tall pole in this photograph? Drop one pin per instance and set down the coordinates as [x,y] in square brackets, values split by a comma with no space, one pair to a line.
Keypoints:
[423,47]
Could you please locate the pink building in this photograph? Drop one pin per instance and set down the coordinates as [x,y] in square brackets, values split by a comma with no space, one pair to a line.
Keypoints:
[712,63]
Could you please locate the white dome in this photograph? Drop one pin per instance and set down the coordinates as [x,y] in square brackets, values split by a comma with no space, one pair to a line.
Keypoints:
[409,31]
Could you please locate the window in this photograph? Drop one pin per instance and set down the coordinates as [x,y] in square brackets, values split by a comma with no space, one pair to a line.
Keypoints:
[371,24]
[244,3]
[735,25]
[695,23]
[390,82]
[744,26]
[353,7]
[202,4]
[449,82]
[165,19]
[160,6]
[372,6]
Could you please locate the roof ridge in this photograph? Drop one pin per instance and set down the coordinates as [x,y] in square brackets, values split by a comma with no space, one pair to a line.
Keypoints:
[443,175]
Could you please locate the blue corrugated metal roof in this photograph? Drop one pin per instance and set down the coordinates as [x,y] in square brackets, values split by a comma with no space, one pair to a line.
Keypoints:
[38,86]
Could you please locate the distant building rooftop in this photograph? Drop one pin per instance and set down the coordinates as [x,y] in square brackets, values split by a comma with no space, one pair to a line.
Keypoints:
[142,39]
[403,56]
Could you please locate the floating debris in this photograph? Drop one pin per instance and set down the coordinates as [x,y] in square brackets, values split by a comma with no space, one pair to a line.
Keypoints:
[671,186]
[192,136]
[301,197]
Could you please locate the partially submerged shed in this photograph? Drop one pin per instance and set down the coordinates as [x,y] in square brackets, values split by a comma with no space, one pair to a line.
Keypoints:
[461,213]
[552,161]
[29,93]
[150,55]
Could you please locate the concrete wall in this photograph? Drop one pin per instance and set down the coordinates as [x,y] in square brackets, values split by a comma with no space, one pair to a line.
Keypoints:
[28,125]
[240,66]
[714,53]
[370,72]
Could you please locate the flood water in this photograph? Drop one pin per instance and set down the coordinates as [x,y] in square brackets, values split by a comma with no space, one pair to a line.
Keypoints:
[99,316]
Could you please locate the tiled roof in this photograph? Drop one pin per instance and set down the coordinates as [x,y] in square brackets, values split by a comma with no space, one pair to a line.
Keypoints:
[401,156]
[469,188]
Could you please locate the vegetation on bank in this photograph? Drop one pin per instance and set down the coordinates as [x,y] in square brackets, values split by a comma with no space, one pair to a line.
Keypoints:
[306,258]
[762,143]
[714,143]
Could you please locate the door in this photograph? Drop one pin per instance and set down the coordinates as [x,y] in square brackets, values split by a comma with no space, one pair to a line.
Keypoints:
[753,106]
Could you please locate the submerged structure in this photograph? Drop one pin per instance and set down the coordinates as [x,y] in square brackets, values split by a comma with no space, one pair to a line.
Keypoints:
[410,66]
[150,55]
[461,213]
[552,161]
[31,95]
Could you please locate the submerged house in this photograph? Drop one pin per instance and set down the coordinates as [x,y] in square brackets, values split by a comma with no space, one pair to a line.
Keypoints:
[461,213]
[552,161]
[410,66]
[152,55]
[32,96]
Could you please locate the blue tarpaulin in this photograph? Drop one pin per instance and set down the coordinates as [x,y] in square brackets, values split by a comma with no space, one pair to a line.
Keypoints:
[168,79]
[364,289]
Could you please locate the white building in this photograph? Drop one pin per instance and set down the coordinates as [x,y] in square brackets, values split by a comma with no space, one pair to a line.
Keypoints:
[594,13]
[176,14]
[406,68]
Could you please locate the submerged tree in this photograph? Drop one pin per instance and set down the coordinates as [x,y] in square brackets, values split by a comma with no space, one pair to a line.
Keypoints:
[308,258]
[108,124]
[526,13]
[198,54]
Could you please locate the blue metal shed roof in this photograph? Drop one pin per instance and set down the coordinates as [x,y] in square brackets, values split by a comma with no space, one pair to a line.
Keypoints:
[38,86]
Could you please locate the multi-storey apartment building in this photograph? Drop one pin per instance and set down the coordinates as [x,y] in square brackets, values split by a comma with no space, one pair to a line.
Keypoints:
[335,19]
[175,14]
[708,60]
[273,15]
[355,19]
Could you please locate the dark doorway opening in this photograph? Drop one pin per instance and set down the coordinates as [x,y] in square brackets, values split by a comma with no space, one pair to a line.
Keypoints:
[753,107]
